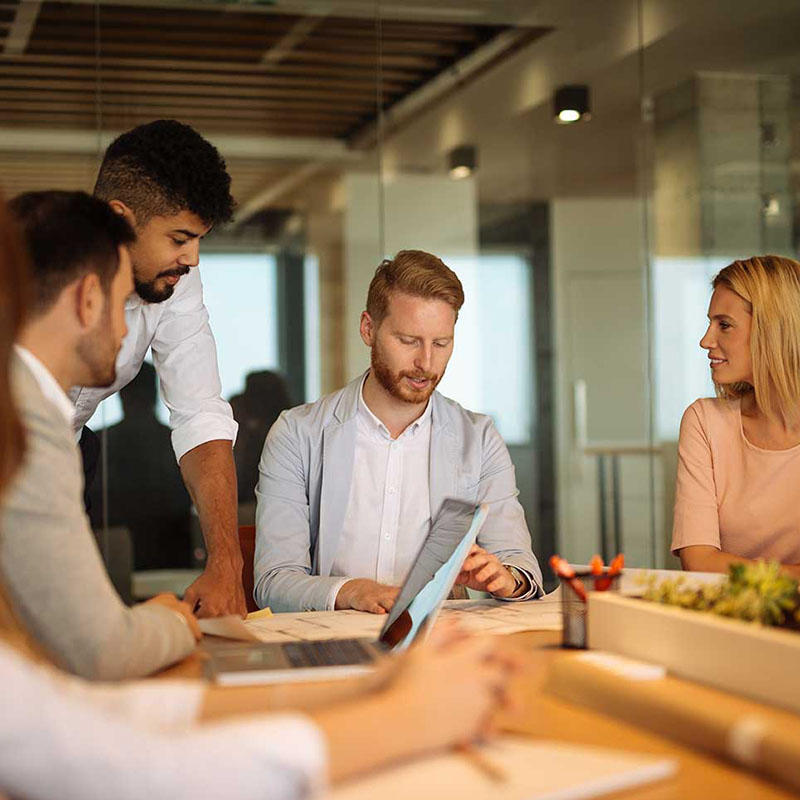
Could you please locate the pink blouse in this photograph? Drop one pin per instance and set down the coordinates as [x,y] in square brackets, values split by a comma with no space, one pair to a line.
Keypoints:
[731,494]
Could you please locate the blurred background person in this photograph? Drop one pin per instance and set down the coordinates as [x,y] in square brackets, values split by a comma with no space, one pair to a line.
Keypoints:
[144,490]
[265,395]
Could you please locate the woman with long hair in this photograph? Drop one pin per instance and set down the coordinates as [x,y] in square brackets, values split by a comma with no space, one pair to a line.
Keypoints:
[13,300]
[739,453]
[61,737]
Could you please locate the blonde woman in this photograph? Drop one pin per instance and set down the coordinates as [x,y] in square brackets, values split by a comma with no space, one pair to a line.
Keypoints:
[738,485]
[61,737]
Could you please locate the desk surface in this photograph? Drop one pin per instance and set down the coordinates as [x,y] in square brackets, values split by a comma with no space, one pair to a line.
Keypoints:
[699,776]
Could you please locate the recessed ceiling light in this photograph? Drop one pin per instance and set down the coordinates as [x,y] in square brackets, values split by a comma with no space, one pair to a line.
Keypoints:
[571,104]
[462,161]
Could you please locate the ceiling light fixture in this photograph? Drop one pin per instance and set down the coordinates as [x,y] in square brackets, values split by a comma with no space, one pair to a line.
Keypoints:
[462,161]
[571,104]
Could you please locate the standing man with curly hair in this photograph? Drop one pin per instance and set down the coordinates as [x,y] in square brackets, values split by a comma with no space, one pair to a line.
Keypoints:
[172,187]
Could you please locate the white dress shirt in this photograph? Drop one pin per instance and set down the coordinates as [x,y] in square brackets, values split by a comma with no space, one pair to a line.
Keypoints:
[185,357]
[65,739]
[47,383]
[388,512]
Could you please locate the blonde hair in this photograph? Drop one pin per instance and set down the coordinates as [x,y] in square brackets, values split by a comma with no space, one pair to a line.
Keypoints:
[771,285]
[417,273]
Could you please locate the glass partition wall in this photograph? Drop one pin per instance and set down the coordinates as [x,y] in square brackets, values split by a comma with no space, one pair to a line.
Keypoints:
[356,129]
[545,224]
[719,93]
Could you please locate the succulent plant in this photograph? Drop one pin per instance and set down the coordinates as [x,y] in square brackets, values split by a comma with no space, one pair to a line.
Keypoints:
[760,592]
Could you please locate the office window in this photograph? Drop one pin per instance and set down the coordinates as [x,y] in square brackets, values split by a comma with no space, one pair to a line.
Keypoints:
[312,327]
[681,293]
[491,370]
[239,293]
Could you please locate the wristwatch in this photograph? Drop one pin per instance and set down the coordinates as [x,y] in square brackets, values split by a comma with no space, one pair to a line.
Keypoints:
[520,579]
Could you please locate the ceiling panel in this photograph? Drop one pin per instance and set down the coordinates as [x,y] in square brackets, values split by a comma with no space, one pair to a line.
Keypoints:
[222,70]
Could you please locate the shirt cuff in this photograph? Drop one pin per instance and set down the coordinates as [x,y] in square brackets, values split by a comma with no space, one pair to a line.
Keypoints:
[202,428]
[331,601]
[532,592]
[168,705]
[291,740]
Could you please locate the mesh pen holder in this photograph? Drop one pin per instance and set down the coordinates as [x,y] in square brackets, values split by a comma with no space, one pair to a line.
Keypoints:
[573,608]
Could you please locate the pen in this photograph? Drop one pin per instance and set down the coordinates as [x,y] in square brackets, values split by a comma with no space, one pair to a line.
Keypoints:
[567,574]
[484,764]
[614,569]
[616,565]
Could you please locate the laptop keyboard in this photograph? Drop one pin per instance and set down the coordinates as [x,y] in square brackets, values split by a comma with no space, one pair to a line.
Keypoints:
[327,654]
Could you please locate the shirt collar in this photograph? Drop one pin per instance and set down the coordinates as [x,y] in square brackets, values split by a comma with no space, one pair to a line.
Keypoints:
[133,301]
[48,385]
[374,423]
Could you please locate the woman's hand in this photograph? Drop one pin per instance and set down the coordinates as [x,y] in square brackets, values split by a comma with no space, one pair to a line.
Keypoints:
[440,694]
[450,689]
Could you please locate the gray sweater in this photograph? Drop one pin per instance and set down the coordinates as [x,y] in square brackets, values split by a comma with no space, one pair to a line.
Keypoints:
[52,568]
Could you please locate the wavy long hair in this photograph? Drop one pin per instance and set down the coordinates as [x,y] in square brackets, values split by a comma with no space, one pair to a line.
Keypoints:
[14,295]
[13,302]
[771,286]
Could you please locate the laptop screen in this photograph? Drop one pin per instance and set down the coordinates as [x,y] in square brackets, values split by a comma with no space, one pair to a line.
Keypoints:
[432,576]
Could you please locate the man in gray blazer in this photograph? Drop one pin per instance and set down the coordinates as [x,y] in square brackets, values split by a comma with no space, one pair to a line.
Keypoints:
[348,485]
[49,559]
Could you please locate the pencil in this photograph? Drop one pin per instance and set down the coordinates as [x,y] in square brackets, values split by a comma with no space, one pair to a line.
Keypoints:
[483,763]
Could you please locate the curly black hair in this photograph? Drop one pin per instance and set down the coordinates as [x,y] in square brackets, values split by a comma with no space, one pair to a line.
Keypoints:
[164,167]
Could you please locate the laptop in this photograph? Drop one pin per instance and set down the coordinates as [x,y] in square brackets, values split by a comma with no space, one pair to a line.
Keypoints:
[425,588]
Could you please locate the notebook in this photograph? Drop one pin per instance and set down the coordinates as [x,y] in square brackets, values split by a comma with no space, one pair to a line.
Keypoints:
[534,769]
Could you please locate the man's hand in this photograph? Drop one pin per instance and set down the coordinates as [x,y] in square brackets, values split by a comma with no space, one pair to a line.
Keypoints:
[217,592]
[179,607]
[365,595]
[210,476]
[483,572]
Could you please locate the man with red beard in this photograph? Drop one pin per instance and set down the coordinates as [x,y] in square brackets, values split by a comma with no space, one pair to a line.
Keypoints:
[349,485]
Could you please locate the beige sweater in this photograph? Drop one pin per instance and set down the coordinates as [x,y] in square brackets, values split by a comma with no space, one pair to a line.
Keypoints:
[52,568]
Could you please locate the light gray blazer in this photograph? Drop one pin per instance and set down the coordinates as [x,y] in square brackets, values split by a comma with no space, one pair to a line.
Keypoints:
[304,486]
[52,568]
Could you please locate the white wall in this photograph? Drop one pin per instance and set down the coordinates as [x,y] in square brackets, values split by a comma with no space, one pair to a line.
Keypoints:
[422,212]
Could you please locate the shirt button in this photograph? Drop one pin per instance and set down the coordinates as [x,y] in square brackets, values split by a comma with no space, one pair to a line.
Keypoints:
[391,490]
[387,536]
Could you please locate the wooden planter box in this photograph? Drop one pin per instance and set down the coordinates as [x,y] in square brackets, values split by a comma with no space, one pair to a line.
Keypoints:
[751,660]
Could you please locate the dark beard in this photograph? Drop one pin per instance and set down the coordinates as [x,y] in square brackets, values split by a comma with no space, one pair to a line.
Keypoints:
[148,291]
[393,382]
[150,294]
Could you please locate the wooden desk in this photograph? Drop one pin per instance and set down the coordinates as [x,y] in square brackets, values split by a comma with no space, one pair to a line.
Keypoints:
[699,776]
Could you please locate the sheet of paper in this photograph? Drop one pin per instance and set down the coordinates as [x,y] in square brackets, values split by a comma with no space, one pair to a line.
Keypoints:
[534,770]
[475,616]
[231,627]
[496,617]
[317,626]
